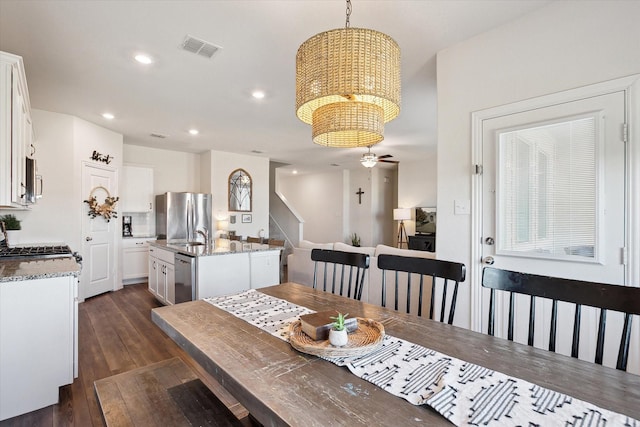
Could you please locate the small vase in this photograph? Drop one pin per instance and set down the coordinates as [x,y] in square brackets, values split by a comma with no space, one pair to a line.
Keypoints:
[338,338]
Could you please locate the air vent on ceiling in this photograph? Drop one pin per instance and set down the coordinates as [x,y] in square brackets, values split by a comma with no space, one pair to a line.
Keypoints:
[199,47]
[334,164]
[257,152]
[158,135]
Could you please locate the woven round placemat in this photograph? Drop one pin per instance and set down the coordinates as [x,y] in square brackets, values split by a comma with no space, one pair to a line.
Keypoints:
[367,338]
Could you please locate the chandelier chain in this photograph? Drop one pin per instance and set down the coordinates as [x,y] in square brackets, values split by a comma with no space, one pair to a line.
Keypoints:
[347,23]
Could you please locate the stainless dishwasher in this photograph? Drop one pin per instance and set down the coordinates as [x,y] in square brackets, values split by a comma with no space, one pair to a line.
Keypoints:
[185,278]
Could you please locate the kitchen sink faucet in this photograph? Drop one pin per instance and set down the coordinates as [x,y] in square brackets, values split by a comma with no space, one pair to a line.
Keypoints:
[204,233]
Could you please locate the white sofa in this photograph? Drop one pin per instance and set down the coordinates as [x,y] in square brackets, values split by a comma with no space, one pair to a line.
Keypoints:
[300,270]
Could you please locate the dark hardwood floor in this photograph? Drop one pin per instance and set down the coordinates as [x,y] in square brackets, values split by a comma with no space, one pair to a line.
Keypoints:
[115,335]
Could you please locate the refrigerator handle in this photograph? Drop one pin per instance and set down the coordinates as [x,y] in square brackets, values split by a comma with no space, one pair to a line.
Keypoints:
[189,220]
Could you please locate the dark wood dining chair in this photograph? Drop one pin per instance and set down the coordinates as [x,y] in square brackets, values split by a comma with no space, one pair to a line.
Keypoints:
[276,243]
[254,239]
[446,272]
[354,262]
[623,299]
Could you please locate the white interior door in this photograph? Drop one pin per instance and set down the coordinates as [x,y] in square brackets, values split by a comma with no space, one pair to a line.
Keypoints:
[98,234]
[553,198]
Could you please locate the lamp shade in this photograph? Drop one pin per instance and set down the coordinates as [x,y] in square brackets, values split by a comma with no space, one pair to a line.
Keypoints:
[400,214]
[348,86]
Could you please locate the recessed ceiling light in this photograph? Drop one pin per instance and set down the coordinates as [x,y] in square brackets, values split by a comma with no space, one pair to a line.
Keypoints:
[258,94]
[295,172]
[143,59]
[108,116]
[194,131]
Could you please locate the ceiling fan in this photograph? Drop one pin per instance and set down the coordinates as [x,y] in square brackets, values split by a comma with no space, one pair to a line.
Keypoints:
[369,159]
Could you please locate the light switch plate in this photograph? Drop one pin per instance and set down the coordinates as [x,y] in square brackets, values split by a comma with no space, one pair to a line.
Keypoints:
[462,207]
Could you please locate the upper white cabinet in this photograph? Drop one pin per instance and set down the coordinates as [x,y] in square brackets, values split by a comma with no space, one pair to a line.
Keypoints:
[16,130]
[137,189]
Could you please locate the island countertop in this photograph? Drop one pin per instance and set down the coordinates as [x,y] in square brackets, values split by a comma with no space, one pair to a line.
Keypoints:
[41,268]
[221,247]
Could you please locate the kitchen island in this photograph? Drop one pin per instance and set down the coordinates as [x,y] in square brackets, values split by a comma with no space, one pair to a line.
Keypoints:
[38,332]
[181,271]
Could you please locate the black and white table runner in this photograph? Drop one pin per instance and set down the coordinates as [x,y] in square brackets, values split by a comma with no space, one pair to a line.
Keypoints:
[464,393]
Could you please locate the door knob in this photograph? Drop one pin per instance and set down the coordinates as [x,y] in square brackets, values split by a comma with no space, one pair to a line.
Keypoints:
[488,260]
[88,238]
[489,241]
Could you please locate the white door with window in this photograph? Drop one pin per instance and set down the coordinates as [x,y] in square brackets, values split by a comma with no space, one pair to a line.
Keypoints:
[553,203]
[98,234]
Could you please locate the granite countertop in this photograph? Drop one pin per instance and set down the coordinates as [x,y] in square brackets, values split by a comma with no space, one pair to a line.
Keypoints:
[41,268]
[221,247]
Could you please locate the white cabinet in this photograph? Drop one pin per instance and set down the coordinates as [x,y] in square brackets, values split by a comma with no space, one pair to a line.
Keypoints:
[162,275]
[236,271]
[265,268]
[135,260]
[222,274]
[137,189]
[38,338]
[16,130]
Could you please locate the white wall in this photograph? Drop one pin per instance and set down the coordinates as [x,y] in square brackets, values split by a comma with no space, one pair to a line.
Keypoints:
[51,220]
[329,205]
[172,170]
[222,164]
[417,186]
[62,143]
[561,46]
[318,198]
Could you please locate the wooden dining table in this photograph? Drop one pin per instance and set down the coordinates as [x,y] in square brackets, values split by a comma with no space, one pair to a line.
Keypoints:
[281,386]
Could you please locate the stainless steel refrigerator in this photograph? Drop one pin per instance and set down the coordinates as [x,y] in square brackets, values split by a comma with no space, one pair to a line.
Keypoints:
[180,215]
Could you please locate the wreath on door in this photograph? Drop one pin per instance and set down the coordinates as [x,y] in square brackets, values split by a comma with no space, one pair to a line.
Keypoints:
[106,209]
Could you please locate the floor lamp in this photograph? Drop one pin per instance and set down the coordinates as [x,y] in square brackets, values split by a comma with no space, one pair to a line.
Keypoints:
[401,214]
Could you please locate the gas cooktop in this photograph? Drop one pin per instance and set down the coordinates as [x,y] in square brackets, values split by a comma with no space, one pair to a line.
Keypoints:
[31,252]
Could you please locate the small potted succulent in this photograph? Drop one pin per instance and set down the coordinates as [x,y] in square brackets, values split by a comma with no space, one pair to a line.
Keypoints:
[355,240]
[11,222]
[12,225]
[338,334]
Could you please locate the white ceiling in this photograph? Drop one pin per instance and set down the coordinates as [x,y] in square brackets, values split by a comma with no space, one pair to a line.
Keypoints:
[78,57]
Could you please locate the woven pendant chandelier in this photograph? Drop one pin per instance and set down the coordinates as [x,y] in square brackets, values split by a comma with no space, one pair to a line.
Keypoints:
[348,85]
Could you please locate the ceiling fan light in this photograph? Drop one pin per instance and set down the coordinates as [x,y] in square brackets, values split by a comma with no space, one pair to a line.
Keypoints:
[368,160]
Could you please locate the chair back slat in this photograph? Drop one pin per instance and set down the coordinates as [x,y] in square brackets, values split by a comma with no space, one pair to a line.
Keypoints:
[356,263]
[532,320]
[600,341]
[437,270]
[554,325]
[512,314]
[623,352]
[622,299]
[575,341]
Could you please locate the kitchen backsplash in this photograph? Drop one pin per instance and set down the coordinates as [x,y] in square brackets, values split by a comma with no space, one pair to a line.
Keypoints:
[142,224]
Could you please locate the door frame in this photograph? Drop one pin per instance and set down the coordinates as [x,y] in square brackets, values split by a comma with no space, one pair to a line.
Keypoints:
[630,85]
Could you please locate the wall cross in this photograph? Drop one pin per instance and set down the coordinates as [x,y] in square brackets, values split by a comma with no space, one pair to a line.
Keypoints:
[359,193]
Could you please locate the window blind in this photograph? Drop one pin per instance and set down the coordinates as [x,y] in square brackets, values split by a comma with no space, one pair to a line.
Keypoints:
[547,190]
